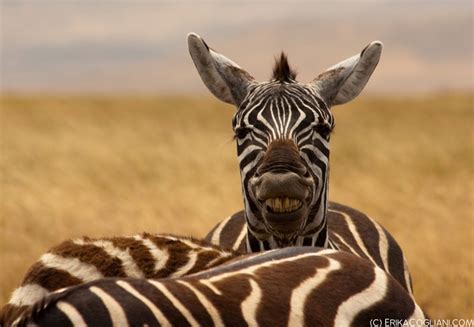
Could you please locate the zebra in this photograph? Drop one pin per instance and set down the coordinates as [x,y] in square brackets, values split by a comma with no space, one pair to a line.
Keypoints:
[282,129]
[292,286]
[85,259]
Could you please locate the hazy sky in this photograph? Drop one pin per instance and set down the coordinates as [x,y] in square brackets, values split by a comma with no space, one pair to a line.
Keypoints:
[140,46]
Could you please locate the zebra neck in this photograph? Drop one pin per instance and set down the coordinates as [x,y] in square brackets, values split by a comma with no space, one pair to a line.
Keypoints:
[319,239]
[254,244]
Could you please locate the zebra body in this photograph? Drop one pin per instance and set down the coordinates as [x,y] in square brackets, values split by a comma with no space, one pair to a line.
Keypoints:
[282,129]
[83,260]
[286,287]
[348,230]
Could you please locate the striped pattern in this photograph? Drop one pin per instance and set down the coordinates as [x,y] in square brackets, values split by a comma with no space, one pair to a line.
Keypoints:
[84,260]
[274,111]
[348,230]
[282,130]
[299,286]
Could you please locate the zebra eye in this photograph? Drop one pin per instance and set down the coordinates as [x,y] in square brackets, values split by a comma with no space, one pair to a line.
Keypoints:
[241,132]
[323,129]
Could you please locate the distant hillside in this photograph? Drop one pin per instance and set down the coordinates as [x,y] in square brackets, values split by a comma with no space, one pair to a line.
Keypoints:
[122,46]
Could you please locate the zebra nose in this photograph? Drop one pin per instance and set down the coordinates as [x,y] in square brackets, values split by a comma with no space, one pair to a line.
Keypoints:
[298,169]
[281,185]
[282,156]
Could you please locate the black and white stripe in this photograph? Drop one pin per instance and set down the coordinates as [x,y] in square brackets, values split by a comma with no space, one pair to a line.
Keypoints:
[292,115]
[348,230]
[286,287]
[83,260]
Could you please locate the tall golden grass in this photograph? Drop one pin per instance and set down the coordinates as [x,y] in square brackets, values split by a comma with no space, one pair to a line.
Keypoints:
[96,166]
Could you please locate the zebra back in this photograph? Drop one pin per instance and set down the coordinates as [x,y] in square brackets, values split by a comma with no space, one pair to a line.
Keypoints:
[285,287]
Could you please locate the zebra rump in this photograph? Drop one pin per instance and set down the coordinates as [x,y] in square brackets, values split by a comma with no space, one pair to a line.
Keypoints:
[82,260]
[285,287]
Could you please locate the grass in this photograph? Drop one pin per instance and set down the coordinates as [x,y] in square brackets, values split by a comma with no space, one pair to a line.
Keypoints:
[95,166]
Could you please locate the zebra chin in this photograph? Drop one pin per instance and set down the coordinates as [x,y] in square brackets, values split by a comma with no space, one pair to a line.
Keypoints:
[285,224]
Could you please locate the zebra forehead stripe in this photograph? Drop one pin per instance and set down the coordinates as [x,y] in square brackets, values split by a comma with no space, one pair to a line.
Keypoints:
[288,119]
[266,124]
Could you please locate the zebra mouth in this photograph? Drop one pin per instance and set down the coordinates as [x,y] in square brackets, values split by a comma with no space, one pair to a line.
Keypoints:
[282,205]
[284,216]
[282,199]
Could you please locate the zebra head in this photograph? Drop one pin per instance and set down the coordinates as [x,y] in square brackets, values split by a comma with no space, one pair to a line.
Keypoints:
[282,128]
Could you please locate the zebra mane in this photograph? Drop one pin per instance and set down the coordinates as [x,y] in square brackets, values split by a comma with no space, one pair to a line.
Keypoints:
[282,71]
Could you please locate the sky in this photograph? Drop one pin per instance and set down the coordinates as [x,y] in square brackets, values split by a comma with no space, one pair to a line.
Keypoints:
[140,46]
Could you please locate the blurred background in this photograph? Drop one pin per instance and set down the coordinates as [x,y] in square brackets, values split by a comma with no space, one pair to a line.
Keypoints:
[107,129]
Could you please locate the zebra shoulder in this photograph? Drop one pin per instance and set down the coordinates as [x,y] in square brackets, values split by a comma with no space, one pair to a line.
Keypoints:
[229,233]
[351,228]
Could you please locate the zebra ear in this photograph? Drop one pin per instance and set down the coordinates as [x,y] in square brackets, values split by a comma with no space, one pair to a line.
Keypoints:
[344,81]
[224,78]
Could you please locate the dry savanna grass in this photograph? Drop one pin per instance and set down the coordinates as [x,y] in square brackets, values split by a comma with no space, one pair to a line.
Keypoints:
[98,166]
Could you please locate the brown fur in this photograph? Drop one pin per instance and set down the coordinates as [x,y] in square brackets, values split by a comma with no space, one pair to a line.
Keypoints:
[53,279]
[140,254]
[276,281]
[281,154]
[50,278]
[92,255]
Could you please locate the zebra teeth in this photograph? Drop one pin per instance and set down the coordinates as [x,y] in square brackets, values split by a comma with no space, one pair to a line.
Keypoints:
[283,205]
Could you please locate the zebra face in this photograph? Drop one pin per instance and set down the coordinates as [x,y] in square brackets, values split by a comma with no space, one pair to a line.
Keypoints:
[282,129]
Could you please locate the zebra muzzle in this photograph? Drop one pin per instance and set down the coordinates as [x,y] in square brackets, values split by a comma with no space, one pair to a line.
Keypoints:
[283,198]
